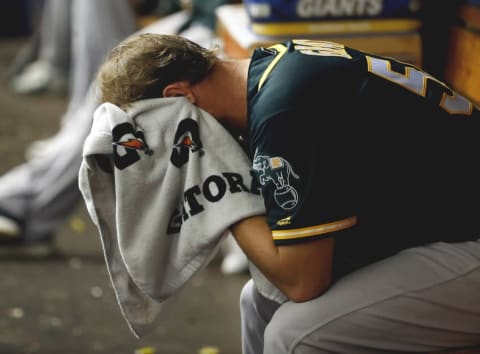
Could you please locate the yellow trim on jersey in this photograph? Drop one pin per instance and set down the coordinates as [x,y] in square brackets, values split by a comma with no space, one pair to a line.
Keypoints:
[314,230]
[281,50]
[335,27]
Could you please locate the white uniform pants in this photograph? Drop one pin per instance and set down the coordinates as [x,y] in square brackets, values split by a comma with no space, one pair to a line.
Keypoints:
[97,27]
[420,300]
[55,34]
[43,191]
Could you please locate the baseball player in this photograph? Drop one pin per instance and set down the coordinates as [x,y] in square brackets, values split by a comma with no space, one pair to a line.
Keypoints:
[368,170]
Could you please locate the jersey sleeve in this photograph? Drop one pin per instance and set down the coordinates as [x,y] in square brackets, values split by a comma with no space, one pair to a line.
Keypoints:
[305,195]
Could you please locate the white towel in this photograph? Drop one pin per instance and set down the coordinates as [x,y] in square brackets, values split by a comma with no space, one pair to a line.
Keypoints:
[161,195]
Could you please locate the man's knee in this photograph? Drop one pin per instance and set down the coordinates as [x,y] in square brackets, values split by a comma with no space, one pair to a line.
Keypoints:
[278,337]
[291,331]
[284,338]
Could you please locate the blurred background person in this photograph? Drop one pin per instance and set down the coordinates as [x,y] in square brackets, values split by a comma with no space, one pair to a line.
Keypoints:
[37,196]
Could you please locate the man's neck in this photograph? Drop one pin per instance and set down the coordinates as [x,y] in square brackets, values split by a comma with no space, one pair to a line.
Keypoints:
[229,82]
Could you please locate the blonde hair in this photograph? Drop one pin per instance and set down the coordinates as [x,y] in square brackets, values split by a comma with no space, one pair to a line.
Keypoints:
[141,66]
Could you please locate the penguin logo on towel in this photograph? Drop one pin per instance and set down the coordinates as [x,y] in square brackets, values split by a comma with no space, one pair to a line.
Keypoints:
[186,140]
[127,142]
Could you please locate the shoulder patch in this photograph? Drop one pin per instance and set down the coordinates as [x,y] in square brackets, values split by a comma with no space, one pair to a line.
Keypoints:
[278,171]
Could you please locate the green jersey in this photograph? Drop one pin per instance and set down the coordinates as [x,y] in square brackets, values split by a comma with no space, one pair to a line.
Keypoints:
[370,150]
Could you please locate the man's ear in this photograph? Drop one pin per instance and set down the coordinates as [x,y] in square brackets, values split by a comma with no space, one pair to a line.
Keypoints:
[179,88]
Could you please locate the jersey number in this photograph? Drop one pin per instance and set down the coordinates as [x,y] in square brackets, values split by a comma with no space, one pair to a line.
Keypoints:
[416,81]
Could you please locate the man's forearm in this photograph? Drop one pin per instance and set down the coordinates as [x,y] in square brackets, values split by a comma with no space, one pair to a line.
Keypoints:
[302,271]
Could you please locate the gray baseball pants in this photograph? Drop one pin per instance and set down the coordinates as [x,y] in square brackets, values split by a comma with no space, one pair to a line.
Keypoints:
[422,299]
